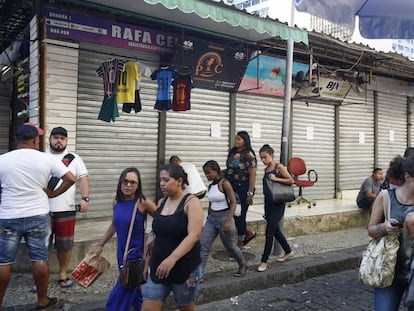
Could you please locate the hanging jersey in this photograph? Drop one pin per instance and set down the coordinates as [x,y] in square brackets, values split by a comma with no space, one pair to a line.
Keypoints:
[109,71]
[164,78]
[181,92]
[143,71]
[125,87]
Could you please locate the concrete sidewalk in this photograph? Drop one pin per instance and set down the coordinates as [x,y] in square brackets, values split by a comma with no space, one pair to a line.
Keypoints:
[316,254]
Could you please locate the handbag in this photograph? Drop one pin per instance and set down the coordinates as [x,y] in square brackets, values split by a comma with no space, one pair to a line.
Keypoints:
[280,192]
[90,268]
[132,271]
[377,266]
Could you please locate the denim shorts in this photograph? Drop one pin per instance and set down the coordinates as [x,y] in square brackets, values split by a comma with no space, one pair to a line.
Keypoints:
[35,231]
[185,293]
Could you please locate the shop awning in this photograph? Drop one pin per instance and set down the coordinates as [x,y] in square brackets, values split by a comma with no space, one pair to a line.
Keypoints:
[210,16]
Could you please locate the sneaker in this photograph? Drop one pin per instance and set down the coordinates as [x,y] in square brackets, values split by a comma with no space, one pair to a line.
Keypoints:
[242,270]
[53,302]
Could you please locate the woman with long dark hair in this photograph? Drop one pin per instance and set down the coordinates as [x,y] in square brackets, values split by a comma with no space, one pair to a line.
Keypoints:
[128,193]
[241,172]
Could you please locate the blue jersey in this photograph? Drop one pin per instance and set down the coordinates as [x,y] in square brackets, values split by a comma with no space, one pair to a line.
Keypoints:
[164,77]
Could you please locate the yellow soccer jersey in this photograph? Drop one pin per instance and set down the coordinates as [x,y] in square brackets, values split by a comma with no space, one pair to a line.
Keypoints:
[125,89]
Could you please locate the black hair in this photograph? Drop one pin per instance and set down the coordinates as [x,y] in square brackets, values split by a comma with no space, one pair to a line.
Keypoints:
[176,172]
[211,164]
[399,166]
[174,158]
[246,138]
[408,151]
[138,193]
[377,169]
[266,148]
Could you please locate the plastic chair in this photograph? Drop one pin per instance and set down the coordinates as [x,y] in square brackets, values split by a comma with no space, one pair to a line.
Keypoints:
[297,167]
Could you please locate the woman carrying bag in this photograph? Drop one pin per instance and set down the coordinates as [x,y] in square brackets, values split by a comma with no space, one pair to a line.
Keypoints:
[128,195]
[274,211]
[400,221]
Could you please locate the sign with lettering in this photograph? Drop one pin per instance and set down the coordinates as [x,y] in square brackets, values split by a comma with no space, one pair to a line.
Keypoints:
[82,27]
[267,75]
[327,88]
[212,65]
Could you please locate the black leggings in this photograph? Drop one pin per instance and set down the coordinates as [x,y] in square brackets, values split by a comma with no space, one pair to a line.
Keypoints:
[274,214]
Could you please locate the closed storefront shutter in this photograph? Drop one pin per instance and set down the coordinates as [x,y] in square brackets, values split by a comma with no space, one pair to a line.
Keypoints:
[265,114]
[5,98]
[108,148]
[392,127]
[356,143]
[313,140]
[189,133]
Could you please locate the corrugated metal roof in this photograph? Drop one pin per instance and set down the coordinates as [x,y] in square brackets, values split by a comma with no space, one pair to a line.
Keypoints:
[14,17]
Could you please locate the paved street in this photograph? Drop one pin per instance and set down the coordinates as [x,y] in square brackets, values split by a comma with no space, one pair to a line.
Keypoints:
[337,291]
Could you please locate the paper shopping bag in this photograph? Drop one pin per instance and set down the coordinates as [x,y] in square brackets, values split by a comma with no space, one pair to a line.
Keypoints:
[90,268]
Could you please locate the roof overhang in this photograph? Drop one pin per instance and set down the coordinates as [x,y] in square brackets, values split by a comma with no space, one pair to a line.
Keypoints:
[207,15]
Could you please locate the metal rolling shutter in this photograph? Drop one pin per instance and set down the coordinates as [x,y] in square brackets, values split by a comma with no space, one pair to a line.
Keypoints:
[189,133]
[108,148]
[318,152]
[267,111]
[391,117]
[5,98]
[356,159]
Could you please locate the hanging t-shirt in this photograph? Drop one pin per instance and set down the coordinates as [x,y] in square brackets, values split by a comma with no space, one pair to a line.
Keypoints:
[110,70]
[182,91]
[125,87]
[164,77]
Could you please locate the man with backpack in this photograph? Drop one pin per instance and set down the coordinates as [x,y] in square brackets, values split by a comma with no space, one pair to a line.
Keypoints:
[63,208]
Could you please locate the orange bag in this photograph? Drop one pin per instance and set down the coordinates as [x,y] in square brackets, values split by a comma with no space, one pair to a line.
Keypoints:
[90,268]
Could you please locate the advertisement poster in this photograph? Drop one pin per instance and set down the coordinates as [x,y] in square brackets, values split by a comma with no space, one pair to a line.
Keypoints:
[82,27]
[212,65]
[267,75]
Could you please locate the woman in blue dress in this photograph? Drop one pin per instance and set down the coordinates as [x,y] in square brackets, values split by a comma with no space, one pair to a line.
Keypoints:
[129,192]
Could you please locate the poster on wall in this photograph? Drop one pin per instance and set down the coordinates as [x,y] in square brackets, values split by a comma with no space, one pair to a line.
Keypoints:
[213,66]
[267,75]
[81,27]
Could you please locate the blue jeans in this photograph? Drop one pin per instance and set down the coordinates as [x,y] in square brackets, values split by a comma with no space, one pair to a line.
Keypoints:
[214,227]
[273,215]
[389,298]
[185,293]
[35,230]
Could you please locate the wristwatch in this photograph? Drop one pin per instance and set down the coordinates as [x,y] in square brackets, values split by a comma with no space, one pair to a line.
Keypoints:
[86,199]
[249,193]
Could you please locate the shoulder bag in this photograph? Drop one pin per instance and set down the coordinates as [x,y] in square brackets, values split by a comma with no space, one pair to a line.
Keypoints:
[378,260]
[280,192]
[132,271]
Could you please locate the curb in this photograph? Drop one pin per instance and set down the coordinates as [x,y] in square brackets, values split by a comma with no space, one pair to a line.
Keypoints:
[293,271]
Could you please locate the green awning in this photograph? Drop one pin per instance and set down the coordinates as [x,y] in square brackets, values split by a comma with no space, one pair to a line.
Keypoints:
[206,16]
[228,20]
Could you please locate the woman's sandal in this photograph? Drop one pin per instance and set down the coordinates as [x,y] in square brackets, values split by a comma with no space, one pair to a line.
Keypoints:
[247,239]
[285,257]
[65,283]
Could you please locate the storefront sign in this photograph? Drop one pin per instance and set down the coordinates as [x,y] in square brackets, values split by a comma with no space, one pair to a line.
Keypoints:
[81,27]
[267,75]
[212,65]
[327,88]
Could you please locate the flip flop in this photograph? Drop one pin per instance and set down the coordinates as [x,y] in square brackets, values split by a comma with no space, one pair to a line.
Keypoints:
[53,302]
[248,239]
[65,283]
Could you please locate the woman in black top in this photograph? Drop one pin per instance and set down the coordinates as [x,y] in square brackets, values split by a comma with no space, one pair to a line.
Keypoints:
[241,172]
[175,262]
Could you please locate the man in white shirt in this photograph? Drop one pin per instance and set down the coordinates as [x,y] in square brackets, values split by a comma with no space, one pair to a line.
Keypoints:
[195,182]
[63,207]
[24,208]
